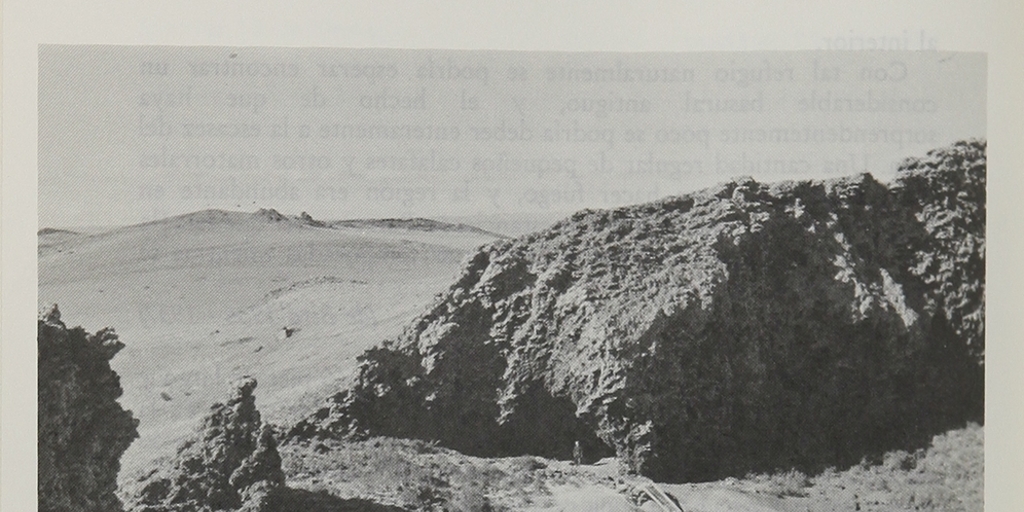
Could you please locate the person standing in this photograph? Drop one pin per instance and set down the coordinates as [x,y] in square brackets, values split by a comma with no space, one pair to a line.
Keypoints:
[577,454]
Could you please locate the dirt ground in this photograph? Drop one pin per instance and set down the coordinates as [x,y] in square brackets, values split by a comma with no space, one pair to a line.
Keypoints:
[416,475]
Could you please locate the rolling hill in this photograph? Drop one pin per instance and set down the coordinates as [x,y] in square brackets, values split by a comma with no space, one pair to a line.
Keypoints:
[201,298]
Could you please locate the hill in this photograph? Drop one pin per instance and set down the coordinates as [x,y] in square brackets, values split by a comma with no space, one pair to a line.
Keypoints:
[54,231]
[202,298]
[746,327]
[49,237]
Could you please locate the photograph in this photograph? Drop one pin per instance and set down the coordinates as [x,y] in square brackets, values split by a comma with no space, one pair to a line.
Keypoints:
[329,278]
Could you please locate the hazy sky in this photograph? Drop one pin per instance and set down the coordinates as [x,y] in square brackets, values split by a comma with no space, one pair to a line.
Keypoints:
[128,134]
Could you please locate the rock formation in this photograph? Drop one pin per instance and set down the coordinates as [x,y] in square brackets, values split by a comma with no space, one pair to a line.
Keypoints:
[230,463]
[745,327]
[269,214]
[308,220]
[82,429]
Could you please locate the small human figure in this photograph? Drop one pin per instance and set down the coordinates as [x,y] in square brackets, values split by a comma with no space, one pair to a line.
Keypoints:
[577,454]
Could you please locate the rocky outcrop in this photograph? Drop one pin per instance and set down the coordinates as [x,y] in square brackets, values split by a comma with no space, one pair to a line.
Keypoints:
[82,429]
[745,327]
[308,220]
[230,463]
[269,214]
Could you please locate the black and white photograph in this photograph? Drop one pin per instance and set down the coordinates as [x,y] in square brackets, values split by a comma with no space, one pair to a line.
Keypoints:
[336,277]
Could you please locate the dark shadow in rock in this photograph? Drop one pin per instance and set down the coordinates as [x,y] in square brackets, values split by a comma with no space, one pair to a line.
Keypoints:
[546,425]
[322,501]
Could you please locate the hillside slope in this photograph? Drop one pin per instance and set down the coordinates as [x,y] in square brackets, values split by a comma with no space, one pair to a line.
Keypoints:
[203,298]
[746,327]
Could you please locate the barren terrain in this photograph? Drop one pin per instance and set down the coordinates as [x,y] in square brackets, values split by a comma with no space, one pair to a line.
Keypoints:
[203,298]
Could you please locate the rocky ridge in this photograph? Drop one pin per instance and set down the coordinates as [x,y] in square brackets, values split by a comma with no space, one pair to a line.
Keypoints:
[745,327]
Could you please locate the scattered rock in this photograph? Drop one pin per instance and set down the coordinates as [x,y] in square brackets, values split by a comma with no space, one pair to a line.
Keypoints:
[82,429]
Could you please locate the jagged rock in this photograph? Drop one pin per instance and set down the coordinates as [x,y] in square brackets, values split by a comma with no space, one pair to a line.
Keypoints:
[82,429]
[230,463]
[947,189]
[741,328]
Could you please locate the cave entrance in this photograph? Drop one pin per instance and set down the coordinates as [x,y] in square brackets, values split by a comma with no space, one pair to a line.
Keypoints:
[547,426]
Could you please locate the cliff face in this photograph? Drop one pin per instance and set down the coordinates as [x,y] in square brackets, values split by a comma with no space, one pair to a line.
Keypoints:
[745,327]
[82,429]
[230,463]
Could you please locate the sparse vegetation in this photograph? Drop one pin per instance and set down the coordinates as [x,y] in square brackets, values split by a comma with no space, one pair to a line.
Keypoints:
[415,475]
[948,476]
[791,483]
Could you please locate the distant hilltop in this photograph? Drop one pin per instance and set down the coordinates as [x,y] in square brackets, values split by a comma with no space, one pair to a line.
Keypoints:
[55,231]
[270,215]
[416,224]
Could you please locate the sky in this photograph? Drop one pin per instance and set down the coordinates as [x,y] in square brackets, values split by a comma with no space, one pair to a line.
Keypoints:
[134,133]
